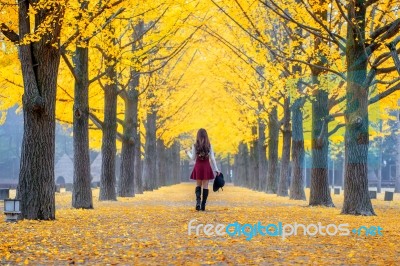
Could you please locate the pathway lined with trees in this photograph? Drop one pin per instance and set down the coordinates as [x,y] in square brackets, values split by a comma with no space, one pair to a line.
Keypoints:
[268,80]
[152,229]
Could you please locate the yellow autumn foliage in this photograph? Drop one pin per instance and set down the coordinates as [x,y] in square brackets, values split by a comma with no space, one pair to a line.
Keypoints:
[152,229]
[201,63]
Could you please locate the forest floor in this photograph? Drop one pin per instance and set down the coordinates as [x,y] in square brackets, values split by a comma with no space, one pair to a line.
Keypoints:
[152,229]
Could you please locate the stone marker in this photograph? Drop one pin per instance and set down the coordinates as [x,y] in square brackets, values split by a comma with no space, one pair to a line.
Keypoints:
[388,196]
[372,194]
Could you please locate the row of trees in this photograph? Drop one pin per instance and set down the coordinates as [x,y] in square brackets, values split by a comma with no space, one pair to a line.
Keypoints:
[135,76]
[122,59]
[326,60]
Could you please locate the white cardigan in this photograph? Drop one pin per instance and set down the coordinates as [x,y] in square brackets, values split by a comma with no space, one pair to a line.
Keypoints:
[192,156]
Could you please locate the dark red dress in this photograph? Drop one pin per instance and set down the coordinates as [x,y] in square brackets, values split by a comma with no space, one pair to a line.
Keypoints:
[202,170]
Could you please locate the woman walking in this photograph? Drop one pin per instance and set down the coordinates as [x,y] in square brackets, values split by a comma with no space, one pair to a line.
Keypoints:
[202,172]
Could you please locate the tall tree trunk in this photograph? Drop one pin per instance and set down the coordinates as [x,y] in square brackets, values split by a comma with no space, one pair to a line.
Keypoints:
[178,162]
[162,172]
[262,157]
[175,163]
[131,97]
[126,179]
[150,164]
[246,164]
[379,168]
[273,131]
[39,62]
[319,190]
[235,169]
[108,147]
[254,160]
[298,154]
[81,191]
[242,177]
[126,186]
[285,161]
[356,195]
[297,184]
[138,162]
[170,165]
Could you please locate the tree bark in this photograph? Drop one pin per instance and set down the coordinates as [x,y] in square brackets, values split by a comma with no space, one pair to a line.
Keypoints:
[39,63]
[273,130]
[131,97]
[126,179]
[138,162]
[175,165]
[262,157]
[162,171]
[235,169]
[319,190]
[242,166]
[81,191]
[170,165]
[126,187]
[297,184]
[150,164]
[379,168]
[285,161]
[254,166]
[108,147]
[356,195]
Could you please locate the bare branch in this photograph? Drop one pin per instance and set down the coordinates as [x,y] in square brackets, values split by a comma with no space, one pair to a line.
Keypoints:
[390,82]
[395,53]
[99,124]
[385,70]
[13,82]
[99,76]
[235,50]
[383,57]
[384,94]
[121,122]
[370,2]
[69,65]
[389,33]
[333,131]
[146,31]
[108,21]
[378,32]
[10,34]
[76,34]
[66,92]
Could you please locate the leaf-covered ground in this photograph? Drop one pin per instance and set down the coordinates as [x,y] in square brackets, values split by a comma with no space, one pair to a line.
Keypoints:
[152,229]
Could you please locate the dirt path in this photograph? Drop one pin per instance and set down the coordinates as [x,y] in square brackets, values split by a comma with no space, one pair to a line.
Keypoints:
[152,228]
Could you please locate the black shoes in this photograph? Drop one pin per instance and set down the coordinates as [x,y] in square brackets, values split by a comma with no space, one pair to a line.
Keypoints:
[203,203]
[198,197]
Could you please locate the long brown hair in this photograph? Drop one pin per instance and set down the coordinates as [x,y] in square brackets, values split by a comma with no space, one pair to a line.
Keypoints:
[202,145]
